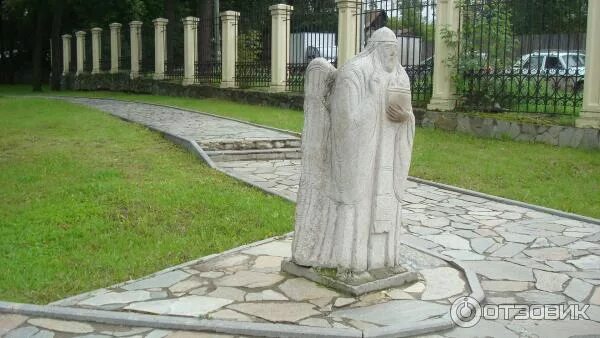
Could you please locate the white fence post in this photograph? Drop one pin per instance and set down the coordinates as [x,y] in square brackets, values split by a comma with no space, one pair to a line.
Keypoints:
[444,89]
[229,22]
[160,43]
[589,117]
[66,41]
[80,36]
[135,34]
[190,49]
[280,45]
[96,49]
[348,33]
[115,46]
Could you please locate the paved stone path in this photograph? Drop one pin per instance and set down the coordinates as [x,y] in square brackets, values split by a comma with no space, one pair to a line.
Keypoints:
[520,255]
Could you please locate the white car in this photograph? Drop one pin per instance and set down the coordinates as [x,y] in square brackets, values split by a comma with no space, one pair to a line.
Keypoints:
[567,64]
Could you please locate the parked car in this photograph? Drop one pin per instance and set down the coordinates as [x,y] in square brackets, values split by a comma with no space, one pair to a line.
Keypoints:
[566,64]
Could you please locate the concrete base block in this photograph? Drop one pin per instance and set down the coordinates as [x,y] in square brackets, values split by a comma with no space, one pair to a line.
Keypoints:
[385,281]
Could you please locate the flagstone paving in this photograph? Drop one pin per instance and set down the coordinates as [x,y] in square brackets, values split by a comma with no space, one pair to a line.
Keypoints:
[520,255]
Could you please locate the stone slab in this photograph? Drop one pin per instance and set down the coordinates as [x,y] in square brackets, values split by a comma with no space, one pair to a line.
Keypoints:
[356,290]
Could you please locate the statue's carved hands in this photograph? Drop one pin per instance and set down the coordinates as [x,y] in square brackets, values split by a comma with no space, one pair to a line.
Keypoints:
[399,105]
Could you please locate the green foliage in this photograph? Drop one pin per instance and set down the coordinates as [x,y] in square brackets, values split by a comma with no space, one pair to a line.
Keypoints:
[250,46]
[548,17]
[411,19]
[485,45]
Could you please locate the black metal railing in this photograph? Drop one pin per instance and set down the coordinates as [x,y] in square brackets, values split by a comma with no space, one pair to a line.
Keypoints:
[207,70]
[208,73]
[313,33]
[253,66]
[521,56]
[174,46]
[105,52]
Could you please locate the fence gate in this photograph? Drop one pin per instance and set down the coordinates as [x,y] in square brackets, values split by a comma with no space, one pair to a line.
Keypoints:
[521,56]
[413,21]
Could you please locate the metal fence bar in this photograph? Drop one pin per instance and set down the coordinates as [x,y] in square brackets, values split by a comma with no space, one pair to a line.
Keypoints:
[313,33]
[520,56]
[208,63]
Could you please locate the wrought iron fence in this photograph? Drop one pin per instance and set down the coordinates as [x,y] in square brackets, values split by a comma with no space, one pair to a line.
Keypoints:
[313,33]
[125,50]
[207,69]
[146,36]
[87,47]
[253,66]
[73,62]
[105,51]
[413,21]
[521,56]
[174,45]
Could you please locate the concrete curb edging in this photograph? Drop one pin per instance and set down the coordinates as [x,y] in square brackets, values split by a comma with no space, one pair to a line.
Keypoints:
[246,328]
[175,323]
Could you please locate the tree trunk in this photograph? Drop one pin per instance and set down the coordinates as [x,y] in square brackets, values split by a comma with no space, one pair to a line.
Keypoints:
[38,43]
[56,45]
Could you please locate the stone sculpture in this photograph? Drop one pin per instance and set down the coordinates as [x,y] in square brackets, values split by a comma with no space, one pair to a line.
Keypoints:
[357,145]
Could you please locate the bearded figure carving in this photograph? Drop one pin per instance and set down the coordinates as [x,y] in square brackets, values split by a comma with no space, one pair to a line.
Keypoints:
[357,146]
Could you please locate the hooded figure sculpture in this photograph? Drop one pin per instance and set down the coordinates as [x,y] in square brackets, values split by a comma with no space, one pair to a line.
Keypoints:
[357,145]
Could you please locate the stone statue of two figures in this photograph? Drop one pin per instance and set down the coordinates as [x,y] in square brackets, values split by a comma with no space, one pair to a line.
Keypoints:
[356,151]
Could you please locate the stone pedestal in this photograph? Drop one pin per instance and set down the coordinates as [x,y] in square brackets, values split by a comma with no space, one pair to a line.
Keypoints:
[66,45]
[96,49]
[589,117]
[80,36]
[115,46]
[280,45]
[444,90]
[229,20]
[371,281]
[160,43]
[135,34]
[190,49]
[348,32]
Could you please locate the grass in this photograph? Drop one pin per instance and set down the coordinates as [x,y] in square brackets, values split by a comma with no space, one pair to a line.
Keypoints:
[87,200]
[567,179]
[288,119]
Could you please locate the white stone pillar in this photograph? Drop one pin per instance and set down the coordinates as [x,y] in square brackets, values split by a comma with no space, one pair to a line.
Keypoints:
[444,89]
[96,49]
[80,36]
[190,50]
[348,30]
[229,36]
[115,46]
[589,117]
[280,45]
[66,45]
[160,43]
[135,35]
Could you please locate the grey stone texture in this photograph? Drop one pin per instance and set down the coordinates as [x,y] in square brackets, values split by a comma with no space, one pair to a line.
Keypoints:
[563,136]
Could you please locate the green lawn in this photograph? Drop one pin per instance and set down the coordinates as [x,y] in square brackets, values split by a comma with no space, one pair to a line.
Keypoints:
[87,200]
[562,178]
